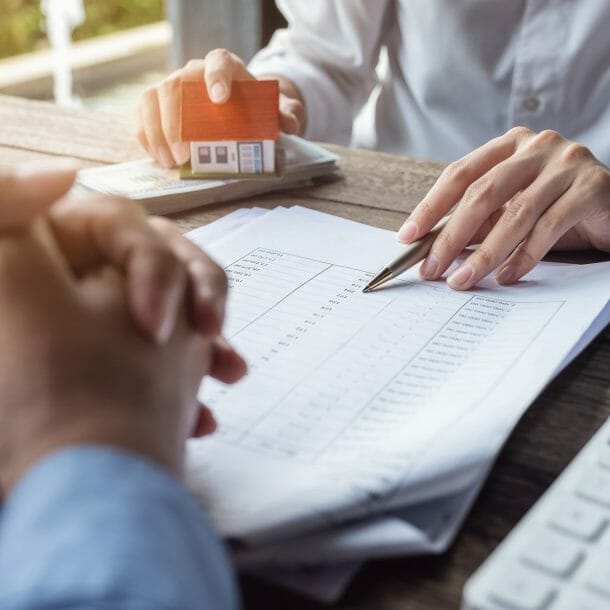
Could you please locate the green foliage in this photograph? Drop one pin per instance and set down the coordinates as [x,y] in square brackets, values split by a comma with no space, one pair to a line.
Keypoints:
[22,23]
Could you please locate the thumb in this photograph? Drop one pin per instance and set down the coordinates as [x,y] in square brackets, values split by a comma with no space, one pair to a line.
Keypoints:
[29,191]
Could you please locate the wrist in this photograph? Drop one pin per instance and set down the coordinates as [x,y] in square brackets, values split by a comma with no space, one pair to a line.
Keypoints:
[109,428]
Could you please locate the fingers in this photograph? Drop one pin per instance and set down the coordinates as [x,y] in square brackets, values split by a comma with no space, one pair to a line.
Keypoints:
[454,181]
[158,128]
[152,129]
[169,95]
[112,231]
[205,422]
[208,282]
[481,199]
[292,115]
[227,365]
[552,226]
[208,295]
[516,197]
[518,218]
[221,68]
[30,191]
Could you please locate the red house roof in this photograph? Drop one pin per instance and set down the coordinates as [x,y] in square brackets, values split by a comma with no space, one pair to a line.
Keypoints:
[251,113]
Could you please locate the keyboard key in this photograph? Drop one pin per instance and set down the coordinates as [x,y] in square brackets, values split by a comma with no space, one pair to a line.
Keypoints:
[597,576]
[595,485]
[579,599]
[552,552]
[581,519]
[521,589]
[558,558]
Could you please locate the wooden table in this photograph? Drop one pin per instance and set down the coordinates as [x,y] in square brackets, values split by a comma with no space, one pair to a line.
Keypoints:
[378,189]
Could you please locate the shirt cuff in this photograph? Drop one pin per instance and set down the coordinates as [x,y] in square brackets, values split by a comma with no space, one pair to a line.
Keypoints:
[94,525]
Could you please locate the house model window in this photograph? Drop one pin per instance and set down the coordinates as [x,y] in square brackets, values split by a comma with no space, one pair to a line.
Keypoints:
[237,138]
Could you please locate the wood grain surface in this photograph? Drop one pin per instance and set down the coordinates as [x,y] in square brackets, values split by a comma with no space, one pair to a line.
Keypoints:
[380,190]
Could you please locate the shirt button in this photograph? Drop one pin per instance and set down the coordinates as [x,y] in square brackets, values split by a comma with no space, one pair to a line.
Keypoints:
[531,104]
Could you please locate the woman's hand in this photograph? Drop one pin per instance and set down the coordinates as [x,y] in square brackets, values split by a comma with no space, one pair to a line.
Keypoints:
[518,196]
[159,113]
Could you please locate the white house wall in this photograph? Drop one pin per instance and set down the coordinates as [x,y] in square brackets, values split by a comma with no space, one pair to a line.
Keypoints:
[231,166]
[269,156]
[210,157]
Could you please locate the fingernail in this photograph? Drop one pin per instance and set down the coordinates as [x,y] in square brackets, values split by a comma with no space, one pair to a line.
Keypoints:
[165,329]
[164,156]
[168,314]
[181,152]
[407,232]
[429,266]
[209,301]
[506,274]
[217,306]
[460,277]
[218,92]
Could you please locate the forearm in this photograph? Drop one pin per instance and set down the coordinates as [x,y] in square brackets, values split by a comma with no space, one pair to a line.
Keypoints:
[328,54]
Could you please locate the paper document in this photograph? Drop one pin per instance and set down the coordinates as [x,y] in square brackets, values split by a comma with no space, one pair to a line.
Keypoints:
[326,560]
[357,405]
[326,582]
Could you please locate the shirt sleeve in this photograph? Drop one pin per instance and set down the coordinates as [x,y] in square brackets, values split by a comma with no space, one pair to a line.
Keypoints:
[330,51]
[96,528]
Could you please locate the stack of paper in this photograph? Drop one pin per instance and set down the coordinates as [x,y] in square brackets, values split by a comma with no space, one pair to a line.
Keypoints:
[163,192]
[368,422]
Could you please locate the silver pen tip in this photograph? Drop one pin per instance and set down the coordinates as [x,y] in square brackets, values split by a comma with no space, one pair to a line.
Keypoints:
[381,278]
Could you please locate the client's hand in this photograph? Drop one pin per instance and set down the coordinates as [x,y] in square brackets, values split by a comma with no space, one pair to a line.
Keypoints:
[159,115]
[155,268]
[157,262]
[74,368]
[518,196]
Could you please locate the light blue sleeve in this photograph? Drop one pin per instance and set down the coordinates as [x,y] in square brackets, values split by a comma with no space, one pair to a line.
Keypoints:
[92,527]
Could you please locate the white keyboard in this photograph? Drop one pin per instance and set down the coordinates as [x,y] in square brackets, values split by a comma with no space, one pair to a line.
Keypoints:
[558,556]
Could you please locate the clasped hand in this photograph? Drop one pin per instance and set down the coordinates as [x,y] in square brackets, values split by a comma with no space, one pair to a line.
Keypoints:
[109,322]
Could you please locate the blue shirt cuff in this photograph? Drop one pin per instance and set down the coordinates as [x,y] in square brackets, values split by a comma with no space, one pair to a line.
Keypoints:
[95,527]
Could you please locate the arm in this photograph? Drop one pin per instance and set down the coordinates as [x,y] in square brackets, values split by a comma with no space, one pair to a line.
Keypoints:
[328,53]
[95,418]
[96,528]
[325,62]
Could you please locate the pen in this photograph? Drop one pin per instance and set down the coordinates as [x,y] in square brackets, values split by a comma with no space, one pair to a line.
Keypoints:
[413,254]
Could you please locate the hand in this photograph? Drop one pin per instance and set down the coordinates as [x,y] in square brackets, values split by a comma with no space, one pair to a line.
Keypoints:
[518,196]
[159,114]
[156,259]
[158,263]
[75,369]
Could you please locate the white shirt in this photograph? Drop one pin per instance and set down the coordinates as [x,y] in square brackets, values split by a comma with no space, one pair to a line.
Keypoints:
[458,72]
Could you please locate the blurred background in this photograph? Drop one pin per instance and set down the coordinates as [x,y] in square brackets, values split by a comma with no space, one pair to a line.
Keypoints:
[103,53]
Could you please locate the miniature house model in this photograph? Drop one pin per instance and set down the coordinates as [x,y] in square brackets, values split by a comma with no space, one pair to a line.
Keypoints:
[236,138]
